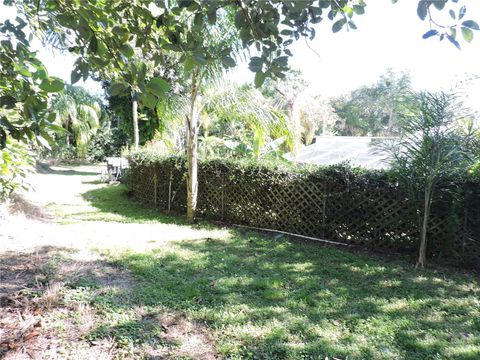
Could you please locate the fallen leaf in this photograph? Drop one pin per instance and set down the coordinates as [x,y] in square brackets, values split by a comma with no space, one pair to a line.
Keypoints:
[31,335]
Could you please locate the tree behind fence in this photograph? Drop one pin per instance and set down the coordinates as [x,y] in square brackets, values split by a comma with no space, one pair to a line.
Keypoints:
[336,203]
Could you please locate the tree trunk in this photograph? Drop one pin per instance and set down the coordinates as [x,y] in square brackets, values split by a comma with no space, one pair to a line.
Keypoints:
[135,120]
[192,152]
[390,123]
[422,253]
[294,121]
[67,125]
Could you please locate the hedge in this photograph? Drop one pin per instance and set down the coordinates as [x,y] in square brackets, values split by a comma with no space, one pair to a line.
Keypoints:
[336,203]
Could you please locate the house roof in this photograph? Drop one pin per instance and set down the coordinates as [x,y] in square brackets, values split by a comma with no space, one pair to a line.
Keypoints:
[328,150]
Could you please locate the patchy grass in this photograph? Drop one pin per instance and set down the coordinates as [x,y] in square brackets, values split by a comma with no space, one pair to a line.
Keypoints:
[274,299]
[201,291]
[74,306]
[111,204]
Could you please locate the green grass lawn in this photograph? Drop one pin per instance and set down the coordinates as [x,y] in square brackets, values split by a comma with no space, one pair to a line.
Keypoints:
[268,298]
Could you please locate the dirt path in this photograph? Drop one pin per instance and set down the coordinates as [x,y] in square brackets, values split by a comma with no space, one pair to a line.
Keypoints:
[62,190]
[47,248]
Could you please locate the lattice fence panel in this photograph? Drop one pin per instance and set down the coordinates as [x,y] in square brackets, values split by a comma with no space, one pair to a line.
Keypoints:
[328,205]
[143,185]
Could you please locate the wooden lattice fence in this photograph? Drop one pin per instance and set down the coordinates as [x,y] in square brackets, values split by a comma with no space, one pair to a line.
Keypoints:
[361,208]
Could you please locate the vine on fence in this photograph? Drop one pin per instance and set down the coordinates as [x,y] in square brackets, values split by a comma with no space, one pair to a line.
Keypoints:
[337,203]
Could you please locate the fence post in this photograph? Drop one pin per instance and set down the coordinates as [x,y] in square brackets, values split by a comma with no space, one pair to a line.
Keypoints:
[465,228]
[169,190]
[155,187]
[222,198]
[324,211]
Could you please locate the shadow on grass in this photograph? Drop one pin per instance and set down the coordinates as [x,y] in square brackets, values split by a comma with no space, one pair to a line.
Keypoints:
[93,182]
[113,201]
[46,169]
[275,300]
[74,297]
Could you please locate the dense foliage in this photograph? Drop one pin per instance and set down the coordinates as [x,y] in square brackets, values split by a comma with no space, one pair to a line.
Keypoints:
[374,110]
[15,163]
[108,141]
[79,113]
[24,88]
[355,206]
[128,42]
[24,119]
[432,151]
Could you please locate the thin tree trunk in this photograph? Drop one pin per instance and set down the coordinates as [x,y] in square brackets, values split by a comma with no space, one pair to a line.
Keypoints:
[422,253]
[192,152]
[295,121]
[390,123]
[135,120]
[67,125]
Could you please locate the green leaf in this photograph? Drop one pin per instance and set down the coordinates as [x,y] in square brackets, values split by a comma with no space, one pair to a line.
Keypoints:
[256,64]
[453,41]
[101,49]
[41,73]
[51,5]
[148,100]
[240,19]
[358,9]
[57,128]
[260,78]
[337,26]
[452,14]
[127,50]
[189,64]
[228,61]
[158,86]
[75,76]
[198,20]
[21,69]
[52,84]
[44,142]
[461,12]
[439,4]
[348,11]
[93,45]
[430,33]
[467,34]
[142,70]
[117,30]
[212,16]
[199,58]
[422,9]
[184,3]
[116,88]
[470,24]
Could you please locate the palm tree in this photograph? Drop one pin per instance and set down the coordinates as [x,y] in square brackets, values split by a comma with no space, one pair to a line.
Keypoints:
[79,113]
[430,151]
[218,43]
[247,108]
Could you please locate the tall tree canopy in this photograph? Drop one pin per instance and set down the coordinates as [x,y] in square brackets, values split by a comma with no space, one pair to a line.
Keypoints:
[107,35]
[79,113]
[24,87]
[373,110]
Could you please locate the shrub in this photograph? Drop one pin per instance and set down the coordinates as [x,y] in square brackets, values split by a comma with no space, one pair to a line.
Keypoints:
[15,163]
[339,203]
[107,142]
